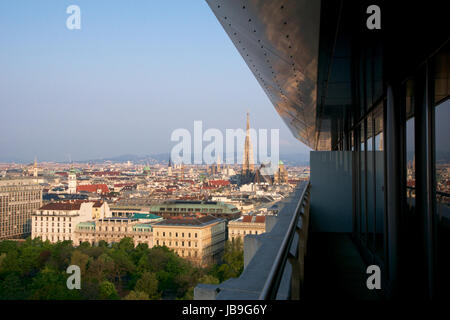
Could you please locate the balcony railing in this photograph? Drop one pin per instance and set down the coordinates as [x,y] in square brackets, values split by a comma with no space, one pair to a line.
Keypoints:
[275,269]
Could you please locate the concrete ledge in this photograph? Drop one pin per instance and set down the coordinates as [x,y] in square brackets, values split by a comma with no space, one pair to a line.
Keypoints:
[263,251]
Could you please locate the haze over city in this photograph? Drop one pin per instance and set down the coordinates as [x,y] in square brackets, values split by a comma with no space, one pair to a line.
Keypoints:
[120,85]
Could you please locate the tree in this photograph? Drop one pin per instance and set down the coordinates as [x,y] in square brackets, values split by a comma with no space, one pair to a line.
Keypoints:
[123,265]
[79,259]
[136,295]
[101,268]
[8,246]
[50,284]
[12,288]
[107,291]
[233,261]
[148,283]
[126,244]
[209,279]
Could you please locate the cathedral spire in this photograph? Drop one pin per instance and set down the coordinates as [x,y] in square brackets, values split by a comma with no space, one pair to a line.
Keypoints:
[248,164]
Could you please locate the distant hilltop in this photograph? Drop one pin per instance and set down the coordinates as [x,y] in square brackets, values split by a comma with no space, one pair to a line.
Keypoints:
[296,159]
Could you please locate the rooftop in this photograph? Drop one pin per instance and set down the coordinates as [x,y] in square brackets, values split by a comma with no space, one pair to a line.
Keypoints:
[189,221]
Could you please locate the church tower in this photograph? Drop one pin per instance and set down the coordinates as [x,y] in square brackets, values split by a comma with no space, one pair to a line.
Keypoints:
[35,168]
[248,164]
[169,168]
[72,182]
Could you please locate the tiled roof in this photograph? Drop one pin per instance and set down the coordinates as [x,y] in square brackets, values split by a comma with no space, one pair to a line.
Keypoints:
[219,182]
[93,188]
[253,219]
[62,206]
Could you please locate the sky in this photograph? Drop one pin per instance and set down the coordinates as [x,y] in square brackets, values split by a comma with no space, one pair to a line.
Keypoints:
[133,73]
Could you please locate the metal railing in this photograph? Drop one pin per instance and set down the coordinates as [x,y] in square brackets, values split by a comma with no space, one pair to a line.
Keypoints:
[275,269]
[289,254]
[440,202]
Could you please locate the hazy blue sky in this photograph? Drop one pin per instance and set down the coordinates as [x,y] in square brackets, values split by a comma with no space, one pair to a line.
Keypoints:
[135,71]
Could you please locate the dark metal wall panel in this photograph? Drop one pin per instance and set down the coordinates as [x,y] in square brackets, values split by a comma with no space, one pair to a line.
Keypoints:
[279,41]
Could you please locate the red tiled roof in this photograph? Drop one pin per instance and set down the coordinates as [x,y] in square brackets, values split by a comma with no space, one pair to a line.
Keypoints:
[208,188]
[255,219]
[260,219]
[93,188]
[219,182]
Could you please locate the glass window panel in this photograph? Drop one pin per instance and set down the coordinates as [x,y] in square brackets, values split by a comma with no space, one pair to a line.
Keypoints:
[370,176]
[442,74]
[379,182]
[410,148]
[442,175]
[362,189]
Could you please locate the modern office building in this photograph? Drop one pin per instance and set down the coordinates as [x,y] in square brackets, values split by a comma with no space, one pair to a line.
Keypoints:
[19,198]
[365,84]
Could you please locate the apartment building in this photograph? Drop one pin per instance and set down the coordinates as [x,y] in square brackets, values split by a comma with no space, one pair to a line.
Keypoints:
[56,221]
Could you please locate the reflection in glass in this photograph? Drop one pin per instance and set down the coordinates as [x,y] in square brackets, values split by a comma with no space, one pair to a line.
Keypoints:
[442,167]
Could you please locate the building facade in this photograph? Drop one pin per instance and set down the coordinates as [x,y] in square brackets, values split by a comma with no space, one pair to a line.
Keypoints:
[246,225]
[56,221]
[19,198]
[173,208]
[72,186]
[112,230]
[200,239]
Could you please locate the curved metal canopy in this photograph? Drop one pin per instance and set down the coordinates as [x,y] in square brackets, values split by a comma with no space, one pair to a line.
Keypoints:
[279,41]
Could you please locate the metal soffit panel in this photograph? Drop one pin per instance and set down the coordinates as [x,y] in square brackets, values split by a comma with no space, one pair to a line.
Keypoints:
[279,41]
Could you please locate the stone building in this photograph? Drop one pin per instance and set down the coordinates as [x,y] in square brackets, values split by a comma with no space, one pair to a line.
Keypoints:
[112,230]
[56,221]
[200,239]
[246,225]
